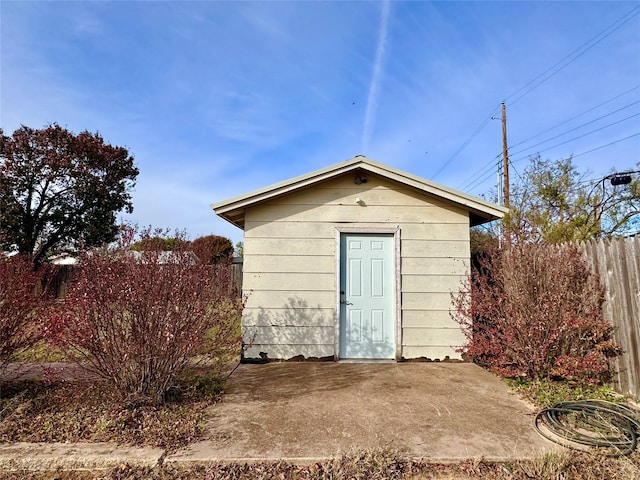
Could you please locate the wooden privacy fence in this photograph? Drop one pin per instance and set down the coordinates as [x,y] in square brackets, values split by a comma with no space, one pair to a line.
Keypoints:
[62,276]
[617,262]
[237,274]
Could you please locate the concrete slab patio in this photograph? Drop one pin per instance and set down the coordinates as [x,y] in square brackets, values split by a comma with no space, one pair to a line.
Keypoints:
[304,411]
[300,412]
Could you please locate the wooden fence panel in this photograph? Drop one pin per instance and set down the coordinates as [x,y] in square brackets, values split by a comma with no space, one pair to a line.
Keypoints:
[59,279]
[63,274]
[236,282]
[617,262]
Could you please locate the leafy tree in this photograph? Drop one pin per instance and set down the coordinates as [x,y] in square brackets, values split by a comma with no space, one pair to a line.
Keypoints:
[482,239]
[159,244]
[239,250]
[211,249]
[58,190]
[554,203]
[154,239]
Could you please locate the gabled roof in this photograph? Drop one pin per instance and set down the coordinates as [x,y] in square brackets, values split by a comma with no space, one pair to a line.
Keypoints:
[481,211]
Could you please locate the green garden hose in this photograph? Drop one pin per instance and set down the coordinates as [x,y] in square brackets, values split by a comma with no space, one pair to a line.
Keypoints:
[591,423]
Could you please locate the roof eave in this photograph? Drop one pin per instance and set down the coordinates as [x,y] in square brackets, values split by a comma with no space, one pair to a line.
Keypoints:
[232,210]
[281,188]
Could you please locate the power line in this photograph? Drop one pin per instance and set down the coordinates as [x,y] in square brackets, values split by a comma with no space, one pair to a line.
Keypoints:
[573,56]
[516,171]
[576,128]
[606,145]
[579,185]
[480,177]
[483,177]
[580,136]
[481,171]
[488,169]
[540,79]
[576,116]
[467,142]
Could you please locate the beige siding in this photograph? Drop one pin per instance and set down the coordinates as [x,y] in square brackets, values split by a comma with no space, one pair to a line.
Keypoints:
[426,301]
[435,266]
[353,213]
[431,318]
[291,316]
[289,300]
[289,229]
[290,262]
[285,246]
[436,231]
[318,228]
[435,248]
[277,281]
[307,335]
[432,352]
[445,337]
[280,351]
[416,283]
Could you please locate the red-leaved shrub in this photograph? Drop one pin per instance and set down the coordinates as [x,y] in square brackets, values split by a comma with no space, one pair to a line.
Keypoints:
[137,318]
[21,302]
[212,248]
[535,312]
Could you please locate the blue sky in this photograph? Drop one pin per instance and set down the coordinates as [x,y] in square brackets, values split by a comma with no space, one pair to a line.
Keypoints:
[215,99]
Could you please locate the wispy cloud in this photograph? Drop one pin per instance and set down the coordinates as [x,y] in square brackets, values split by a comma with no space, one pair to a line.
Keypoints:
[374,85]
[219,98]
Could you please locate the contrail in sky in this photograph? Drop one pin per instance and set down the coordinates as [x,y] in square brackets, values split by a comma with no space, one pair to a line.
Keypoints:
[374,86]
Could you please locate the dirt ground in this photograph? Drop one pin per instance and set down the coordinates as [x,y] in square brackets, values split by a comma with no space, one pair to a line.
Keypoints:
[54,371]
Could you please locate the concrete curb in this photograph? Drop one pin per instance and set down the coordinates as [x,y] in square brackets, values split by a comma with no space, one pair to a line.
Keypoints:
[103,456]
[74,456]
[301,461]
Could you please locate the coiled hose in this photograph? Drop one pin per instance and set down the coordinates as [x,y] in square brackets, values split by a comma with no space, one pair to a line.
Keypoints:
[592,423]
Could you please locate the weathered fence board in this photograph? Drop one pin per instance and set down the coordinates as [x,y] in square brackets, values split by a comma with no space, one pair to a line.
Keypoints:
[62,275]
[237,275]
[617,262]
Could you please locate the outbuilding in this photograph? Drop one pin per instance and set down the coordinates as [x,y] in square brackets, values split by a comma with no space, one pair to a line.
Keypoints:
[356,261]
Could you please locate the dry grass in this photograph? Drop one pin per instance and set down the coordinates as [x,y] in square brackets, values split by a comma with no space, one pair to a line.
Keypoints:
[33,411]
[375,465]
[546,393]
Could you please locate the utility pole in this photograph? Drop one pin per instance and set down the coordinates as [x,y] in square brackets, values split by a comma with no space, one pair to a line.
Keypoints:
[505,173]
[505,158]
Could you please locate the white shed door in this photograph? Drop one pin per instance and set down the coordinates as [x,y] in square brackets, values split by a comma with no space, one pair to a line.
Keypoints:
[367,289]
